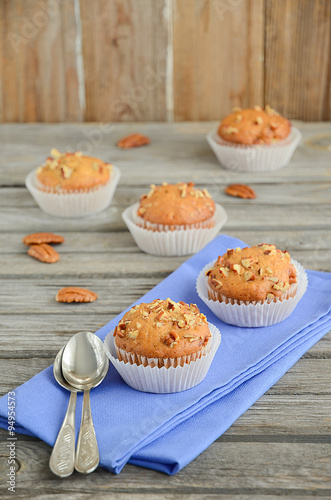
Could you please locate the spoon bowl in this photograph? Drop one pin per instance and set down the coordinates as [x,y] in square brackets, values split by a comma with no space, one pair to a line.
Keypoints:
[58,375]
[84,361]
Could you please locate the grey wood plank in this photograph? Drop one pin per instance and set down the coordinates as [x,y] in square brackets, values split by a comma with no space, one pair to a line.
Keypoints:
[238,468]
[276,193]
[107,265]
[180,148]
[303,379]
[292,239]
[240,217]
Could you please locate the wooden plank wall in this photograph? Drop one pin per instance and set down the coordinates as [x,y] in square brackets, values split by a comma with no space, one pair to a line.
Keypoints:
[163,60]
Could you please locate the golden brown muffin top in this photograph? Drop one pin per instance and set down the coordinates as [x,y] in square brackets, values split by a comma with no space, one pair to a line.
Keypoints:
[254,126]
[253,273]
[162,329]
[72,171]
[176,204]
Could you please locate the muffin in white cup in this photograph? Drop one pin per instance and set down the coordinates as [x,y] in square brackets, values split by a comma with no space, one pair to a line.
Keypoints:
[72,184]
[254,139]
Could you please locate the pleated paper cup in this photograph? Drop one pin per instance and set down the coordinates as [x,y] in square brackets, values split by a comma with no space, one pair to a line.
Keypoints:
[177,374]
[254,158]
[76,203]
[253,314]
[176,240]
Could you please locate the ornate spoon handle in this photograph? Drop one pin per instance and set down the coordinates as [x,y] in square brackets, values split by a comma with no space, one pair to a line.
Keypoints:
[62,458]
[87,452]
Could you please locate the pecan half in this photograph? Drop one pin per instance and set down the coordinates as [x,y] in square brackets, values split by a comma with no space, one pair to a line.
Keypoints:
[39,238]
[241,191]
[133,141]
[75,294]
[44,253]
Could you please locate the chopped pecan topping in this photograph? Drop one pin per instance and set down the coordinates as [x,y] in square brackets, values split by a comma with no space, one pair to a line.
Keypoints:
[217,283]
[160,314]
[247,262]
[66,171]
[230,130]
[171,305]
[237,268]
[206,193]
[55,153]
[119,333]
[170,339]
[141,211]
[183,190]
[249,276]
[224,271]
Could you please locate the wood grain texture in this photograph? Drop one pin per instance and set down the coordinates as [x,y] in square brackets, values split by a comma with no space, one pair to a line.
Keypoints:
[218,57]
[182,148]
[128,60]
[125,49]
[38,69]
[281,445]
[236,466]
[297,58]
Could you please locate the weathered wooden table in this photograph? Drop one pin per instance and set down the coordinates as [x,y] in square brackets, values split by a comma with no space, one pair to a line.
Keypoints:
[281,445]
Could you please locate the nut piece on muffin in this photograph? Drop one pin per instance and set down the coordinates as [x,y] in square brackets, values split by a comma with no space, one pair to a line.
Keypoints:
[176,205]
[70,172]
[254,126]
[252,274]
[162,329]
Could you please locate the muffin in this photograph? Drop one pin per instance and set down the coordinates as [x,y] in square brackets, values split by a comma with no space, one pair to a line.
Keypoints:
[254,126]
[252,274]
[254,139]
[163,346]
[72,184]
[253,286]
[174,219]
[174,205]
[172,332]
[69,172]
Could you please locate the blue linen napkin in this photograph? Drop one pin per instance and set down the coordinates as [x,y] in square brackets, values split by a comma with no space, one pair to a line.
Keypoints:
[155,430]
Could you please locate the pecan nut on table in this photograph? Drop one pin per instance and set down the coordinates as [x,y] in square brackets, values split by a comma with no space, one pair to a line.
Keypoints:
[240,191]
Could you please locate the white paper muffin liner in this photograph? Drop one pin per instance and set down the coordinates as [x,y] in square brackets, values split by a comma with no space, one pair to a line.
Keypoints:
[75,204]
[254,158]
[164,380]
[256,314]
[167,242]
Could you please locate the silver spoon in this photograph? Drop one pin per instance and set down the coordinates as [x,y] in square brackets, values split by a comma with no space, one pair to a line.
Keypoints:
[62,459]
[84,366]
